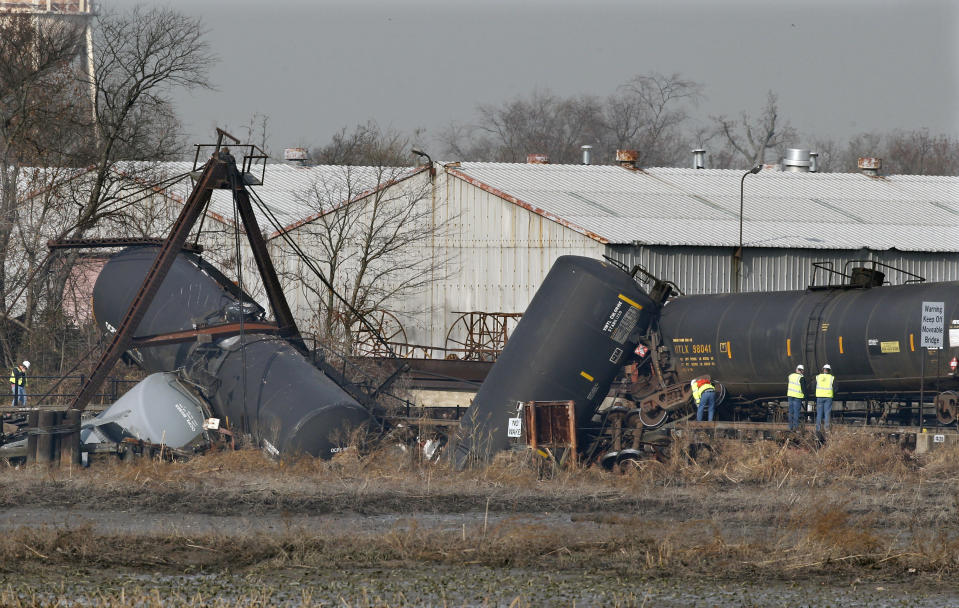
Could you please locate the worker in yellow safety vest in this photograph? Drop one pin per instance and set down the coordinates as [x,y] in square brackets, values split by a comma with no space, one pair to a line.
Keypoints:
[825,389]
[794,392]
[18,384]
[704,394]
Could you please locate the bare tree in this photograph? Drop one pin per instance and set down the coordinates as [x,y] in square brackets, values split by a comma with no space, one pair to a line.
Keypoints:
[36,109]
[747,139]
[648,114]
[919,153]
[366,145]
[46,121]
[140,56]
[845,158]
[371,236]
[915,152]
[543,123]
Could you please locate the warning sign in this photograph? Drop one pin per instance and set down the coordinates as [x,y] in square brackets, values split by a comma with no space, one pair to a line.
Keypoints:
[933,325]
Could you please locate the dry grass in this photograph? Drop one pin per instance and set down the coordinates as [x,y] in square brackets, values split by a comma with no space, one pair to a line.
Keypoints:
[827,537]
[735,507]
[848,455]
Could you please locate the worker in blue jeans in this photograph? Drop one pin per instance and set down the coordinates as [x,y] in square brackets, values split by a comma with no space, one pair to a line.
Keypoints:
[794,391]
[18,384]
[704,394]
[825,389]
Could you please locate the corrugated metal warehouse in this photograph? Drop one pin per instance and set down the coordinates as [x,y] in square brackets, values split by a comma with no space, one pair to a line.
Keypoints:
[500,226]
[683,225]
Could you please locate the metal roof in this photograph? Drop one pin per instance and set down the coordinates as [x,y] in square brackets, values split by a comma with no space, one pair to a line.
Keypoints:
[671,206]
[285,190]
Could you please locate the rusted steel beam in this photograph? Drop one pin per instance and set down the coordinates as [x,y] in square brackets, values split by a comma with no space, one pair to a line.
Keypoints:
[274,291]
[93,243]
[214,173]
[215,331]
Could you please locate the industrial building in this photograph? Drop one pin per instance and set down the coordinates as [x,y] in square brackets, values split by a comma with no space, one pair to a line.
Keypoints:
[509,222]
[496,229]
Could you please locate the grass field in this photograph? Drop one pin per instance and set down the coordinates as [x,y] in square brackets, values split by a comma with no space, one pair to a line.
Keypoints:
[753,523]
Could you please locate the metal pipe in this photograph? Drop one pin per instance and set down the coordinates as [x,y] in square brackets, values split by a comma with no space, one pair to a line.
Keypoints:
[699,158]
[739,252]
[924,352]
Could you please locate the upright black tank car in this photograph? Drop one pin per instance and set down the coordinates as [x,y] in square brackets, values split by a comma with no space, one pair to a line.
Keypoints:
[871,334]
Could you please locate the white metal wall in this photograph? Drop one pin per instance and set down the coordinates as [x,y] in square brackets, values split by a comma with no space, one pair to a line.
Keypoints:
[709,269]
[497,253]
[492,256]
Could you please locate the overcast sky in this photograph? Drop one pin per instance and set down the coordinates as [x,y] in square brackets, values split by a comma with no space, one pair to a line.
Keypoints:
[840,67]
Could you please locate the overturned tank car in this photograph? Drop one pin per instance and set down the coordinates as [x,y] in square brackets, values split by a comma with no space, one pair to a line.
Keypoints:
[256,382]
[579,330]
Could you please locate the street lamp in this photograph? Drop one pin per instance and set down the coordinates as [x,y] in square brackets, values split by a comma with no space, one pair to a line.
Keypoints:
[739,252]
[429,161]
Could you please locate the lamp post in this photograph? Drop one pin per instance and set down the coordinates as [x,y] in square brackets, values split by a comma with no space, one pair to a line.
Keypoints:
[429,161]
[739,252]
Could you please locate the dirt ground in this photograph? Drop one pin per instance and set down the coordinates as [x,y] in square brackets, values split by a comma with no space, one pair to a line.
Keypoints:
[849,524]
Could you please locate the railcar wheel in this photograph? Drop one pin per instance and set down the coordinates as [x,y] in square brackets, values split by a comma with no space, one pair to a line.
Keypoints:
[629,454]
[654,418]
[630,461]
[947,407]
[609,459]
[720,393]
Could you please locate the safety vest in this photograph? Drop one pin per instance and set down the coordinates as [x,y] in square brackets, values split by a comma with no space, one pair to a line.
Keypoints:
[699,390]
[824,383]
[795,386]
[17,377]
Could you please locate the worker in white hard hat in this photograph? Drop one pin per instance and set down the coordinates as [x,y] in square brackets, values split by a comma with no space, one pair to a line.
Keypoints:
[704,395]
[18,384]
[794,391]
[825,389]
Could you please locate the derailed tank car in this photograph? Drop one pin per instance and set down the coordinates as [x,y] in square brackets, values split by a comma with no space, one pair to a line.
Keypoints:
[581,327]
[870,335]
[258,382]
[574,338]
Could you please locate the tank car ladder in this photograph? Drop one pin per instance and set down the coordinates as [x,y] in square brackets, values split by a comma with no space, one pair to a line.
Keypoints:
[813,329]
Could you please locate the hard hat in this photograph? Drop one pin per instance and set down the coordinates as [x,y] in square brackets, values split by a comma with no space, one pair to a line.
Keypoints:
[827,366]
[26,364]
[800,367]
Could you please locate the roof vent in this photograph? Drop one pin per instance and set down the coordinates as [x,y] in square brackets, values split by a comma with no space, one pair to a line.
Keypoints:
[813,162]
[587,153]
[796,160]
[699,158]
[537,159]
[299,157]
[870,165]
[627,158]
